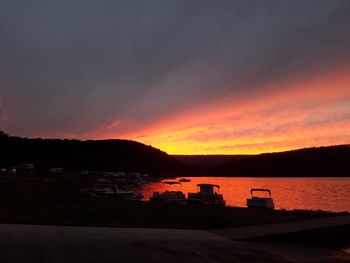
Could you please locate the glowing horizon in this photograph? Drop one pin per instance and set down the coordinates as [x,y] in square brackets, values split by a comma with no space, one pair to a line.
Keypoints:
[296,117]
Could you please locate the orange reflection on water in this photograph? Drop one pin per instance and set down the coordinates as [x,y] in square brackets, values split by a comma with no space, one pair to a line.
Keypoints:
[331,194]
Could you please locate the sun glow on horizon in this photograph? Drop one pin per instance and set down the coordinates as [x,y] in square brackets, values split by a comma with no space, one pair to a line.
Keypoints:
[308,113]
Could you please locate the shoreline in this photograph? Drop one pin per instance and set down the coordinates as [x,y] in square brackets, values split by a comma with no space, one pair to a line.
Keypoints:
[48,200]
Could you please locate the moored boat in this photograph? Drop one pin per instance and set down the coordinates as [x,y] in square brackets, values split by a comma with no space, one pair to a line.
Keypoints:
[126,194]
[115,191]
[208,194]
[176,197]
[184,180]
[260,202]
[103,189]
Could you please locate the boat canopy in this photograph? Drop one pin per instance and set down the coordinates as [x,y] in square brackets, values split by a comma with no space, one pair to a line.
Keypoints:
[171,182]
[260,190]
[208,185]
[208,189]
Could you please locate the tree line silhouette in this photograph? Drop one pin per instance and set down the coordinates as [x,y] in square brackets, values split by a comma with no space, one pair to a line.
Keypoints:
[97,155]
[316,161]
[131,156]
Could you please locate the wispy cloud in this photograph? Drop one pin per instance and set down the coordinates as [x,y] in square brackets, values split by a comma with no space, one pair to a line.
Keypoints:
[297,119]
[175,73]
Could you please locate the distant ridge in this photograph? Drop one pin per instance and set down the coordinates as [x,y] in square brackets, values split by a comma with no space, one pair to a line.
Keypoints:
[314,161]
[208,160]
[99,155]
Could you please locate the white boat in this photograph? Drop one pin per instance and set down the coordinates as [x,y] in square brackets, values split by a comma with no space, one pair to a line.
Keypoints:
[184,180]
[176,197]
[208,194]
[114,190]
[103,190]
[125,194]
[260,202]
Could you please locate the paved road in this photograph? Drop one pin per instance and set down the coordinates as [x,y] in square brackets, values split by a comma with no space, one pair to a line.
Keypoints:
[238,233]
[56,244]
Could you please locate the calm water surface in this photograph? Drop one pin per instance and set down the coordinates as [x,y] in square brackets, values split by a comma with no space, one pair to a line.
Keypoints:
[331,194]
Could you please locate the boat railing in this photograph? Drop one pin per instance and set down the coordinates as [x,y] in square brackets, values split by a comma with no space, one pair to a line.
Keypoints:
[260,190]
[208,189]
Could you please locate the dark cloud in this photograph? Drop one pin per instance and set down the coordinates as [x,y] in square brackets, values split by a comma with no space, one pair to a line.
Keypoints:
[68,67]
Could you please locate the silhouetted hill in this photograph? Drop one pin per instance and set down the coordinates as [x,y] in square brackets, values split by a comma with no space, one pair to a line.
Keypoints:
[208,160]
[317,161]
[115,155]
[206,164]
[131,156]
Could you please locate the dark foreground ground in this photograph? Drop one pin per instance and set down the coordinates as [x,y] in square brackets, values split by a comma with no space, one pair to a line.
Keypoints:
[30,243]
[336,237]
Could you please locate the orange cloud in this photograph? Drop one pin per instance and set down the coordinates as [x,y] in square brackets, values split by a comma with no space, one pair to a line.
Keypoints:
[310,112]
[298,113]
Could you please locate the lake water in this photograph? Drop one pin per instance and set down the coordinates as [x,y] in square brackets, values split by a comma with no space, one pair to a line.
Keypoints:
[329,194]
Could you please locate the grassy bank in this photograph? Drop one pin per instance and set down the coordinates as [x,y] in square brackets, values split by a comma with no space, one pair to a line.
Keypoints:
[60,201]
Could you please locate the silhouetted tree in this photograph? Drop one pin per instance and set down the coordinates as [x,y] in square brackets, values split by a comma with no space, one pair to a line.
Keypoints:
[100,155]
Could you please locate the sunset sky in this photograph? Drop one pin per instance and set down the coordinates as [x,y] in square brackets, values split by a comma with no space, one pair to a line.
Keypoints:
[188,77]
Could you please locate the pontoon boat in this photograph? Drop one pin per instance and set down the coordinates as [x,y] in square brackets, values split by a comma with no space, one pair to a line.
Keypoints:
[208,194]
[184,180]
[260,202]
[177,197]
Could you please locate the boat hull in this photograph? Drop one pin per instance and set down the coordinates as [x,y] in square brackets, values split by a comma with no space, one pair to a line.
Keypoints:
[257,202]
[198,198]
[176,197]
